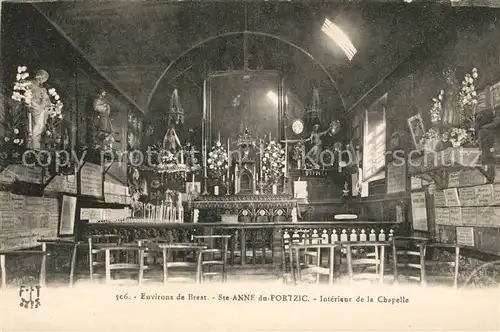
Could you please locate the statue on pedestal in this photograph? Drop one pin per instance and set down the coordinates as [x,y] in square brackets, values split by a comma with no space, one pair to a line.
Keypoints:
[451,109]
[102,112]
[38,109]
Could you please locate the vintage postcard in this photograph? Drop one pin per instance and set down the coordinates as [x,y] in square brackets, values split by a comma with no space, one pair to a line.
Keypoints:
[250,165]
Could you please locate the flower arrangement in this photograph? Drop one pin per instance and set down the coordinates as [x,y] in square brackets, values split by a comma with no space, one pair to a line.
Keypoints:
[437,107]
[21,91]
[468,98]
[468,94]
[55,109]
[456,136]
[431,140]
[273,162]
[217,161]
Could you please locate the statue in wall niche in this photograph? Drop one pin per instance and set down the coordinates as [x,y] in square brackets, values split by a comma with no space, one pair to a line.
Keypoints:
[102,113]
[38,109]
[451,109]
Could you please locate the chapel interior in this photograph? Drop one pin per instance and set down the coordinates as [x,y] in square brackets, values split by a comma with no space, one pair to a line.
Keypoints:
[279,141]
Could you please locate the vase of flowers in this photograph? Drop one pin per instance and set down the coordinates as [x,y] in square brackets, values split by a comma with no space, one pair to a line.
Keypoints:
[457,136]
[217,163]
[431,140]
[273,163]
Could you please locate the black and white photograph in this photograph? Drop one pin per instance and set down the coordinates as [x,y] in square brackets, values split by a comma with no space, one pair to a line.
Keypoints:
[249,165]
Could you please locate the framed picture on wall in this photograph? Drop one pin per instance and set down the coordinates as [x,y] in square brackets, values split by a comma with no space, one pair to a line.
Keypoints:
[417,130]
[67,216]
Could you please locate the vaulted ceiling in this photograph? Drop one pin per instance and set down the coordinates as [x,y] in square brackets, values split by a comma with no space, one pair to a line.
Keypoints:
[134,42]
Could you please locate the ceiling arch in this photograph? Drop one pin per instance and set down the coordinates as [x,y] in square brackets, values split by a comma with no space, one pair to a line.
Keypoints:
[257,33]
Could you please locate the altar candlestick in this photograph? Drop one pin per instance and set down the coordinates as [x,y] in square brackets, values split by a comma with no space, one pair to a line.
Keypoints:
[285,169]
[261,155]
[29,123]
[228,159]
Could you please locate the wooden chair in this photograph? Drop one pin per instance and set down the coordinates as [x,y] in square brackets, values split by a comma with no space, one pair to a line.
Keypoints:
[443,271]
[96,256]
[168,263]
[408,256]
[297,237]
[302,265]
[372,264]
[117,262]
[216,256]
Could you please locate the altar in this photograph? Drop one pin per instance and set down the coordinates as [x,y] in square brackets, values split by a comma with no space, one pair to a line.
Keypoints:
[246,208]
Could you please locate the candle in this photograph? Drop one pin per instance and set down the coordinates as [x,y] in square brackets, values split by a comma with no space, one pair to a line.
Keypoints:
[192,180]
[228,158]
[182,157]
[29,124]
[261,155]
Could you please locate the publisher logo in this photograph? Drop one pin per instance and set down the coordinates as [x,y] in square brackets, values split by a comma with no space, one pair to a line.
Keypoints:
[30,297]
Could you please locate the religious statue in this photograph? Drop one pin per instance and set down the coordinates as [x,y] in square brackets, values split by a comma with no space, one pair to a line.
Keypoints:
[316,142]
[451,109]
[246,142]
[38,109]
[102,112]
[171,141]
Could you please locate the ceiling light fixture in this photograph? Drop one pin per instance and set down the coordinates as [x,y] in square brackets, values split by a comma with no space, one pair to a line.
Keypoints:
[339,37]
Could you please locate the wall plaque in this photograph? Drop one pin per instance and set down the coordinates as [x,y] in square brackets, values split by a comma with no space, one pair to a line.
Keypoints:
[442,216]
[91,214]
[451,197]
[416,183]
[21,173]
[469,216]
[465,236]
[471,178]
[65,184]
[455,216]
[486,216]
[419,211]
[439,199]
[467,196]
[374,139]
[496,219]
[454,179]
[24,220]
[497,173]
[484,195]
[496,194]
[396,178]
[91,176]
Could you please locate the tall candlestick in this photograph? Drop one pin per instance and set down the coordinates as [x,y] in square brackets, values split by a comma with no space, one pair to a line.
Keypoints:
[261,155]
[228,159]
[29,124]
[285,169]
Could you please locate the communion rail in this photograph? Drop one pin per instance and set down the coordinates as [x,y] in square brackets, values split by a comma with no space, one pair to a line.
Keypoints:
[256,244]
